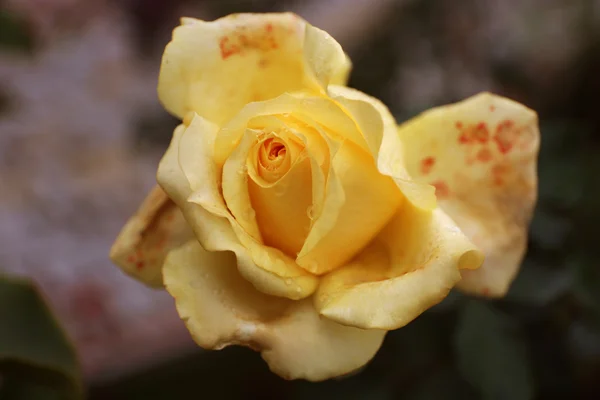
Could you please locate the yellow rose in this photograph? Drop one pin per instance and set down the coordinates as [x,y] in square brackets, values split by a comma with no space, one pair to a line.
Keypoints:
[296,218]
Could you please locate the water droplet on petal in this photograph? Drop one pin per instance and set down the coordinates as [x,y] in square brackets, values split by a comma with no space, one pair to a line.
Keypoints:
[310,211]
[279,190]
[288,281]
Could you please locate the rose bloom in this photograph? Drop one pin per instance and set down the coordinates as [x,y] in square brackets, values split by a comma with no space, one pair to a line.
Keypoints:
[294,216]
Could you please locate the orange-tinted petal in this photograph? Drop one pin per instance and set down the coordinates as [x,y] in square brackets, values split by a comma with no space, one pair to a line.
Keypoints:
[481,155]
[142,245]
[215,68]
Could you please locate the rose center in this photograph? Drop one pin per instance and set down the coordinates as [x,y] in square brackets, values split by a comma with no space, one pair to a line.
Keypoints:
[273,155]
[280,189]
[276,149]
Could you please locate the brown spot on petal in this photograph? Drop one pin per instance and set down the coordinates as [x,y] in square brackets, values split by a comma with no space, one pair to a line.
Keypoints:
[441,189]
[227,48]
[477,133]
[505,136]
[499,173]
[262,63]
[481,133]
[242,39]
[484,155]
[142,245]
[427,164]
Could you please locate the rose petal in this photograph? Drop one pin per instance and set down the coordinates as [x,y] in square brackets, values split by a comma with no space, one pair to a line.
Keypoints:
[378,127]
[215,68]
[220,308]
[371,197]
[281,209]
[364,202]
[235,186]
[273,155]
[308,109]
[142,245]
[409,267]
[285,207]
[268,269]
[481,155]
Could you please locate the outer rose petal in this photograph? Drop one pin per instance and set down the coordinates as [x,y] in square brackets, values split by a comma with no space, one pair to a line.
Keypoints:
[195,190]
[220,308]
[481,155]
[215,68]
[409,267]
[142,245]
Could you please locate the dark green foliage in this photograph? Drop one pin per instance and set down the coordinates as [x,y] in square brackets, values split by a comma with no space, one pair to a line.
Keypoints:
[14,33]
[36,359]
[491,355]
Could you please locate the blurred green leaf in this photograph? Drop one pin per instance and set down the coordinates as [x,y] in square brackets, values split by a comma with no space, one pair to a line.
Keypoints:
[562,136]
[445,384]
[17,389]
[451,302]
[587,285]
[421,343]
[548,230]
[561,168]
[14,34]
[561,180]
[36,358]
[491,356]
[583,340]
[539,285]
[352,389]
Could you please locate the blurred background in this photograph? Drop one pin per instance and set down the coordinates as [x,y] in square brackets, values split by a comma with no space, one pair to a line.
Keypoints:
[81,133]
